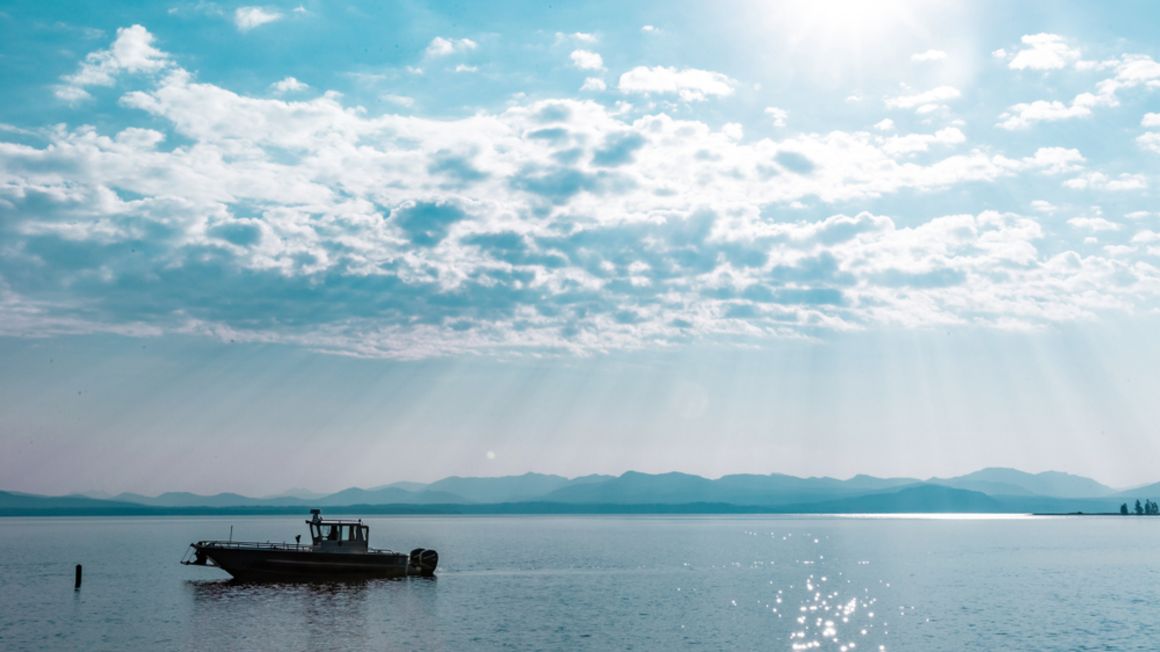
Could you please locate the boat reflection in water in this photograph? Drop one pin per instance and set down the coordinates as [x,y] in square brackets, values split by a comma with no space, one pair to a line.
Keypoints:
[338,549]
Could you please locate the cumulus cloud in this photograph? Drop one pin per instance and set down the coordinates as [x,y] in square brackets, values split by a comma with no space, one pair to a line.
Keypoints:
[587,60]
[925,101]
[927,56]
[913,143]
[1101,181]
[690,84]
[1094,224]
[442,47]
[1149,141]
[131,52]
[1150,120]
[578,37]
[289,85]
[248,18]
[1131,71]
[548,226]
[594,85]
[1042,52]
[777,115]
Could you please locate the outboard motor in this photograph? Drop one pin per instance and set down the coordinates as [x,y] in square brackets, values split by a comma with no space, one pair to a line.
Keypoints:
[425,560]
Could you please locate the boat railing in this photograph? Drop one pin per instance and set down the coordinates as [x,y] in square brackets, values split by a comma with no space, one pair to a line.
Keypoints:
[268,545]
[264,545]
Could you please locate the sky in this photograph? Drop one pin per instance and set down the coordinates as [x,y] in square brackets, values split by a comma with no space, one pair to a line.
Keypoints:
[331,244]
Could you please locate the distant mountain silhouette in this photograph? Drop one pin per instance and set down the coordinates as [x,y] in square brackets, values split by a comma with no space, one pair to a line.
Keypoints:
[387,495]
[925,498]
[511,488]
[997,480]
[22,501]
[986,490]
[1146,491]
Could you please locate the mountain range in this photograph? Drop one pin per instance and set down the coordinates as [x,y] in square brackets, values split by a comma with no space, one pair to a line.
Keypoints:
[986,490]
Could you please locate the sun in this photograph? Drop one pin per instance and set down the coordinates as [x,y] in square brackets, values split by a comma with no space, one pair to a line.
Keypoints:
[844,38]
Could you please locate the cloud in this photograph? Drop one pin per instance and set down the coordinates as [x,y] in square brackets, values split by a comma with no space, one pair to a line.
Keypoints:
[248,18]
[550,226]
[594,84]
[579,37]
[927,56]
[1094,224]
[690,84]
[405,101]
[442,47]
[925,101]
[587,60]
[463,67]
[1131,71]
[1149,141]
[886,124]
[649,29]
[1101,181]
[1042,52]
[777,116]
[913,143]
[132,51]
[1150,120]
[288,85]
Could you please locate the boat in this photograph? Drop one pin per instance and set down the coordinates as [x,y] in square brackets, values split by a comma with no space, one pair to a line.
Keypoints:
[338,549]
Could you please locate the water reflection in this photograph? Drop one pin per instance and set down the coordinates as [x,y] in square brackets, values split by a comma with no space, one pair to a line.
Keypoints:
[357,611]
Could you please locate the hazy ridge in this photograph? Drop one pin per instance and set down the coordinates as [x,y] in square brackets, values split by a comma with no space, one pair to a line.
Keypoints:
[987,490]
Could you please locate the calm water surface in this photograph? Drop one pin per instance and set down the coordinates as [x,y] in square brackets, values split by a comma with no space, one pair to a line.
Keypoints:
[602,583]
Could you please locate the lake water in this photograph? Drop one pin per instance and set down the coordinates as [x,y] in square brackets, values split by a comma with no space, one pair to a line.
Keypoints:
[602,583]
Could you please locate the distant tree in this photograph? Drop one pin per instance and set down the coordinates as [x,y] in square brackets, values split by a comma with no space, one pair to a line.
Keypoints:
[1139,507]
[1150,507]
[1124,509]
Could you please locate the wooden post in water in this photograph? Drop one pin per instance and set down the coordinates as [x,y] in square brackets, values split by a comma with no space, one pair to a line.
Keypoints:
[77,583]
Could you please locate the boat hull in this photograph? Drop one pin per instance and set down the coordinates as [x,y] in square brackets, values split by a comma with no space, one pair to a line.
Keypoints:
[289,564]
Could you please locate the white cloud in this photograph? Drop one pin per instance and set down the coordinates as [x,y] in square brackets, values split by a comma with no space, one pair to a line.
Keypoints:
[594,85]
[649,29]
[886,124]
[405,101]
[1058,160]
[690,84]
[587,60]
[932,98]
[654,225]
[929,55]
[1101,181]
[1025,114]
[442,47]
[1043,52]
[463,67]
[1094,224]
[1150,120]
[777,115]
[1043,206]
[579,37]
[131,52]
[288,85]
[913,143]
[248,18]
[1149,141]
[1132,70]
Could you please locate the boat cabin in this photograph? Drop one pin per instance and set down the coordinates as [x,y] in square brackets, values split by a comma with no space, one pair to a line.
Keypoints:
[337,535]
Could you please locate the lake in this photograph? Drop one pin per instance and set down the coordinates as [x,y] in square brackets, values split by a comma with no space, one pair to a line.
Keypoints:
[602,583]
